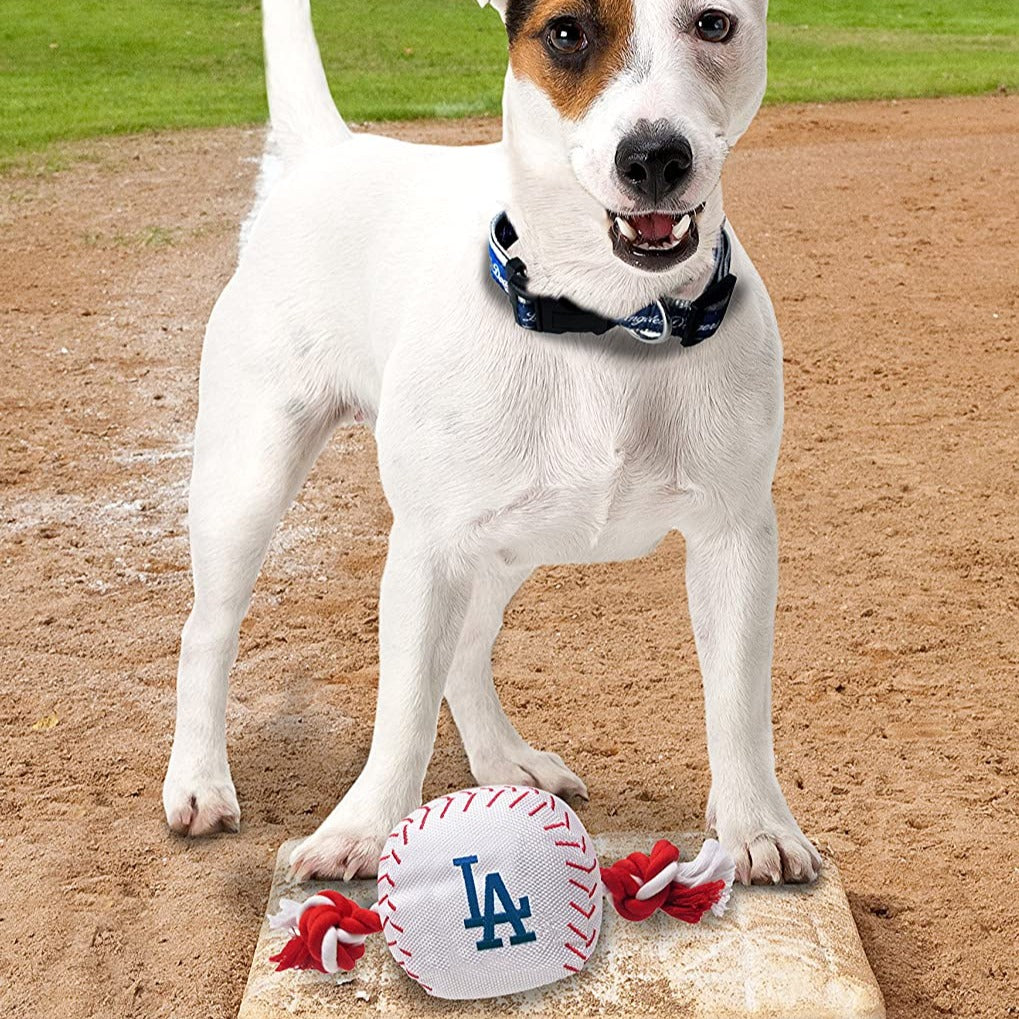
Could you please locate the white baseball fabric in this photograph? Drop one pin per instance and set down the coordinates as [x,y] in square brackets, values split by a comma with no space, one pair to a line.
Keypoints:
[489,891]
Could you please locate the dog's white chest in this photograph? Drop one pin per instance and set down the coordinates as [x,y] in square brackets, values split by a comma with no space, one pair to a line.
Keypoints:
[590,525]
[608,494]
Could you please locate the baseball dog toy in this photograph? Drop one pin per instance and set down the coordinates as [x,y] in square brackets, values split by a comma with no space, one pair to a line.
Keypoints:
[496,890]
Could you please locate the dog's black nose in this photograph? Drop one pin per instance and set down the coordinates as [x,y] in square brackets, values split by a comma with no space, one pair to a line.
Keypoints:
[653,160]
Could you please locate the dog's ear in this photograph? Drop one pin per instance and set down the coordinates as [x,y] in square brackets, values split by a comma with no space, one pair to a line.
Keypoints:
[499,5]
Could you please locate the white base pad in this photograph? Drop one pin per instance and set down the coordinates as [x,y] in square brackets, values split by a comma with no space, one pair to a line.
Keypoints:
[778,953]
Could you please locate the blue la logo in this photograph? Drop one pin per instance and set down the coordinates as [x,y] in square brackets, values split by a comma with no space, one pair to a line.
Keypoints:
[495,888]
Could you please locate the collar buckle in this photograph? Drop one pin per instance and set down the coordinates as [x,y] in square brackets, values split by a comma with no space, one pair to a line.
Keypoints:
[525,308]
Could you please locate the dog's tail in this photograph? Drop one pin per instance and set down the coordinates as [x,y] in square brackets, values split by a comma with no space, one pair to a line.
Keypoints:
[302,113]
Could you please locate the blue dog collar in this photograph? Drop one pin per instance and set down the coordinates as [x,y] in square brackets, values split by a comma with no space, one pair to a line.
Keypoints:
[688,321]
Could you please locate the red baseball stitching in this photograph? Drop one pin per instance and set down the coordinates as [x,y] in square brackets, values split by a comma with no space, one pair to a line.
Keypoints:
[581,846]
[585,913]
[590,891]
[586,938]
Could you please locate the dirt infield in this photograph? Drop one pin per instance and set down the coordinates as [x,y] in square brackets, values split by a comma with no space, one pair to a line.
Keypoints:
[886,233]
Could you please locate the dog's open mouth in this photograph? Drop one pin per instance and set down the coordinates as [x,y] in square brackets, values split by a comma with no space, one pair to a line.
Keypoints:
[654,241]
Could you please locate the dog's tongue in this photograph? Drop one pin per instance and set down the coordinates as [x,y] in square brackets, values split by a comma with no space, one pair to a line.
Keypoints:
[655,226]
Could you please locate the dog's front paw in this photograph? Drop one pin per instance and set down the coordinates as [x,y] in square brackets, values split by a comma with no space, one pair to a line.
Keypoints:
[524,765]
[200,803]
[764,840]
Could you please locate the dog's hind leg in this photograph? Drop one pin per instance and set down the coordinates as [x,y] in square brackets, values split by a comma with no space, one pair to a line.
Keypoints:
[255,441]
[496,751]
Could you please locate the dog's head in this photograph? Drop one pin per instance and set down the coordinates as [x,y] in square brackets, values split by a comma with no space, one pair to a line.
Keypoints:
[618,117]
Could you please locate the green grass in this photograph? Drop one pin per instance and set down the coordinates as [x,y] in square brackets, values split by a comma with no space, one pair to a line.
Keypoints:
[80,68]
[863,49]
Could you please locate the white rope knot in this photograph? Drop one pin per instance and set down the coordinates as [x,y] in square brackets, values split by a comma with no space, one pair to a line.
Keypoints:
[661,880]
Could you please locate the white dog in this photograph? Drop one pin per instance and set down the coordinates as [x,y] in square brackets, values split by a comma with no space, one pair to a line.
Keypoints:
[512,431]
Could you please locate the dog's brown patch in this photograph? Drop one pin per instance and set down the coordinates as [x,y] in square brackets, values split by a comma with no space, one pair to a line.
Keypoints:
[572,86]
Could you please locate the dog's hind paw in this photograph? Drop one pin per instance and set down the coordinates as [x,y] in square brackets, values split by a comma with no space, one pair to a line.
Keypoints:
[524,765]
[332,852]
[200,806]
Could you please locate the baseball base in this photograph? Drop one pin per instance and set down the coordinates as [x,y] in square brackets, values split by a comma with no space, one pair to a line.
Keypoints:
[778,953]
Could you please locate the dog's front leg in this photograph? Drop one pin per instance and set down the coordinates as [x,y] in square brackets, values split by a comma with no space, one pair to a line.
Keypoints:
[423,600]
[250,459]
[732,581]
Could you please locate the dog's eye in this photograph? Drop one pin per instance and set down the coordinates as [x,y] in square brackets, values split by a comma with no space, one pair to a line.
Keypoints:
[714,26]
[566,36]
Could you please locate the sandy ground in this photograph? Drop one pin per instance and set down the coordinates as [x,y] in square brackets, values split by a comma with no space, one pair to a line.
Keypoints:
[886,233]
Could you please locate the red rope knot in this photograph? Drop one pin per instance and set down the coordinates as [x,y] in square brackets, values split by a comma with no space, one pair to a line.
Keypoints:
[641,884]
[328,931]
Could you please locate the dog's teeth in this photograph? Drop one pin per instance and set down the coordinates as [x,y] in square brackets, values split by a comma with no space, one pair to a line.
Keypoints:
[625,229]
[681,227]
